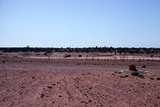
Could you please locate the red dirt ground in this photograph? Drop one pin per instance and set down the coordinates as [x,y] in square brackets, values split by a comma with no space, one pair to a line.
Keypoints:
[77,83]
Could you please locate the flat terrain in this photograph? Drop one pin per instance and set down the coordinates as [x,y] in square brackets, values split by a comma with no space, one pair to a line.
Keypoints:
[71,82]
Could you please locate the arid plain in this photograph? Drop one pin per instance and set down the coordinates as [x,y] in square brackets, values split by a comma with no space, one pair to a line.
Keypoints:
[78,80]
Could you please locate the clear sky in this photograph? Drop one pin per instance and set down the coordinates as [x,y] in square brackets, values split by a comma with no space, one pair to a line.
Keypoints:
[80,23]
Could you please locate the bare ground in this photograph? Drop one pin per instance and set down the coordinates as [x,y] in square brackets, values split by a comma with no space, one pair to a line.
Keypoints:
[77,83]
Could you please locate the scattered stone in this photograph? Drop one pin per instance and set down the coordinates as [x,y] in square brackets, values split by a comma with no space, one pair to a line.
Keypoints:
[42,96]
[84,102]
[53,84]
[135,73]
[22,86]
[142,86]
[67,55]
[143,66]
[33,77]
[3,61]
[113,74]
[79,55]
[50,87]
[89,101]
[132,67]
[158,78]
[88,73]
[141,76]
[124,76]
[85,94]
[90,88]
[151,78]
[60,96]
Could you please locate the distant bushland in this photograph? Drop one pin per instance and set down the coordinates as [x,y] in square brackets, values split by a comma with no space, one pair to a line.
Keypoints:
[89,49]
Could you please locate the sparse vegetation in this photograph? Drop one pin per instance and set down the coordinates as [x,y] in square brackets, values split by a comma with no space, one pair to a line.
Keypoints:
[48,53]
[69,76]
[117,51]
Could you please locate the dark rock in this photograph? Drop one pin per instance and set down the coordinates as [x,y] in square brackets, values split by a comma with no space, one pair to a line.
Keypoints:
[60,96]
[22,86]
[158,78]
[143,66]
[113,74]
[84,102]
[123,76]
[132,67]
[53,84]
[89,101]
[42,96]
[151,78]
[50,87]
[90,88]
[66,56]
[135,73]
[33,77]
[3,61]
[141,76]
[79,55]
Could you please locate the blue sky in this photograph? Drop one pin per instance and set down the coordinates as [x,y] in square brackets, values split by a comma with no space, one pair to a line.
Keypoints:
[80,23]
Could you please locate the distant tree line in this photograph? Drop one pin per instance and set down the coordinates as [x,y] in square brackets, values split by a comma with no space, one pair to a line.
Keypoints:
[89,49]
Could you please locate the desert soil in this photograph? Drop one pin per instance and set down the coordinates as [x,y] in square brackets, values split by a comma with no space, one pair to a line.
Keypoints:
[77,83]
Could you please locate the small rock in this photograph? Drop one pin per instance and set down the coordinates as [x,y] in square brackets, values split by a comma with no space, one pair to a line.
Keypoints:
[143,66]
[3,61]
[79,55]
[50,87]
[53,84]
[132,67]
[22,86]
[84,102]
[123,76]
[135,73]
[151,78]
[158,78]
[113,74]
[141,76]
[33,77]
[89,101]
[90,88]
[42,96]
